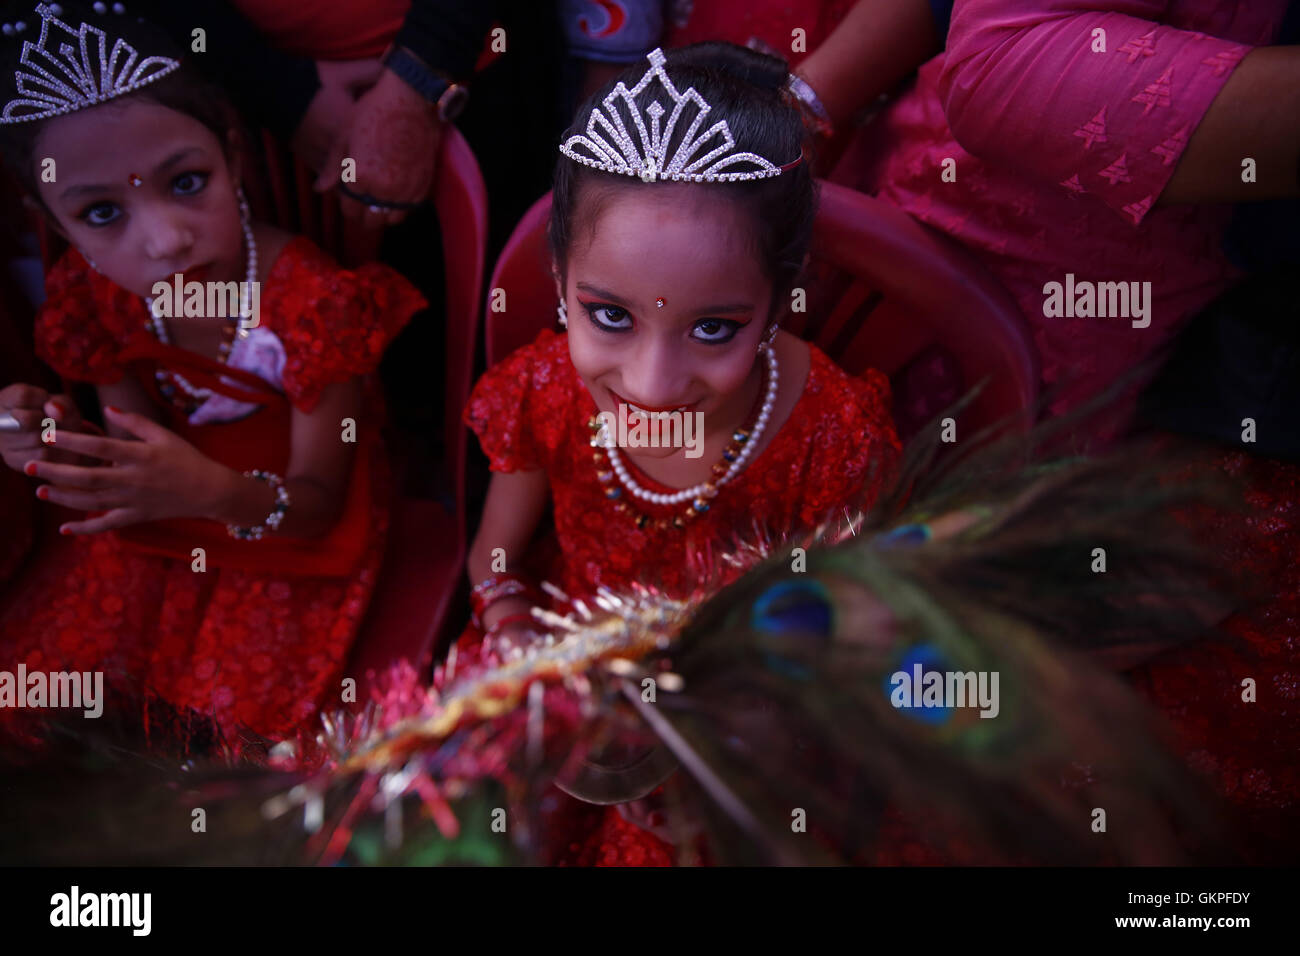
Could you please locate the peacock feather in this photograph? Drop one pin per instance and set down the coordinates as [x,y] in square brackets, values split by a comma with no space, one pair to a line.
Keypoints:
[783,716]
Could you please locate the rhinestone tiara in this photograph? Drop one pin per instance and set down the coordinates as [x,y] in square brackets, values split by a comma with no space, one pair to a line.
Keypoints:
[608,145]
[71,79]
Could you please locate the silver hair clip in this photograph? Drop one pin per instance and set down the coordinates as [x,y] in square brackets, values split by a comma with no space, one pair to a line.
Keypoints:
[69,78]
[608,145]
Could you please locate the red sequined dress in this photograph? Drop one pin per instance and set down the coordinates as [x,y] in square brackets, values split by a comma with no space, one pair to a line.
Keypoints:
[260,636]
[532,411]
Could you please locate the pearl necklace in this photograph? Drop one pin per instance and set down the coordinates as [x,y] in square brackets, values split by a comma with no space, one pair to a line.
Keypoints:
[748,441]
[167,379]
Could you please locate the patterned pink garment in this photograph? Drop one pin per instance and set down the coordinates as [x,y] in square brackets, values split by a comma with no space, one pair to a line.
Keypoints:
[1061,153]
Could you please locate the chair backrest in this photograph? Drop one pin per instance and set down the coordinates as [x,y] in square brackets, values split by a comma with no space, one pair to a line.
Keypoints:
[461,199]
[281,192]
[882,291]
[279,189]
[412,605]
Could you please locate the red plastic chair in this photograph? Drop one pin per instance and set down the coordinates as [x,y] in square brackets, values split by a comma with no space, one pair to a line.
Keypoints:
[427,546]
[883,291]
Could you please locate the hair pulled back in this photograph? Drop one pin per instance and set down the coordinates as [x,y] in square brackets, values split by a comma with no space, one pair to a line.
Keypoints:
[748,90]
[184,90]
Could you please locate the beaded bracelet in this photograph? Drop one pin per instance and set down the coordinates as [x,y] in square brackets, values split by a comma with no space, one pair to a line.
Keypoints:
[497,588]
[273,520]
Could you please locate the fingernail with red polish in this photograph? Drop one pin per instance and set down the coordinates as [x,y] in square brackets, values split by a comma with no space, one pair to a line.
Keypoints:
[43,492]
[29,468]
[63,529]
[113,408]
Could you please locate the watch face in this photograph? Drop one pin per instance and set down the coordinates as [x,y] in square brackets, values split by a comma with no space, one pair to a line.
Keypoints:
[452,102]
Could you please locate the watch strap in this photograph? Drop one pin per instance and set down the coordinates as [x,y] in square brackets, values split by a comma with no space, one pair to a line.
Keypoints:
[418,75]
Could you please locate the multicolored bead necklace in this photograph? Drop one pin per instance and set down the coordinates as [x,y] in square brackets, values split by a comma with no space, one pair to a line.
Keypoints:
[735,457]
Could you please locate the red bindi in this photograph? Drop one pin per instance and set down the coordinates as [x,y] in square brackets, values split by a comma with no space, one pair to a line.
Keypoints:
[660,302]
[135,180]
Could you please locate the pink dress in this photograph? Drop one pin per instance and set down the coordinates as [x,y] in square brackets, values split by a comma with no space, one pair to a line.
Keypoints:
[1061,152]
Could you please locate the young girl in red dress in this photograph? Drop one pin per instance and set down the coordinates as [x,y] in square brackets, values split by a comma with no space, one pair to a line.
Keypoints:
[236,507]
[675,250]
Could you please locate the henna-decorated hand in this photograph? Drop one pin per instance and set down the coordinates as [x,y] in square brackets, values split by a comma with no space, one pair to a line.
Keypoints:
[330,111]
[394,135]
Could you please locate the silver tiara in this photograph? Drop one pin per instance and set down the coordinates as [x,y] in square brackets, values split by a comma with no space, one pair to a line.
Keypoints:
[607,144]
[72,79]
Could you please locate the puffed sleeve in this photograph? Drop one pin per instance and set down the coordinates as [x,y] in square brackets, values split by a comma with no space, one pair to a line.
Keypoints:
[71,335]
[511,408]
[856,433]
[1097,96]
[335,323]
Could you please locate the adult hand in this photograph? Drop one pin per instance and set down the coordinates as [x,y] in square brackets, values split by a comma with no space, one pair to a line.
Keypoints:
[330,112]
[159,476]
[29,406]
[393,135]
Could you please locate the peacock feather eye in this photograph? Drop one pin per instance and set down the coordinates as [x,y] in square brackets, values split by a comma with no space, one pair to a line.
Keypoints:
[794,606]
[917,661]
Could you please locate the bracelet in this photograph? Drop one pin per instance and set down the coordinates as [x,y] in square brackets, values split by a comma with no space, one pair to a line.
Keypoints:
[496,588]
[374,203]
[441,91]
[505,622]
[273,520]
[810,106]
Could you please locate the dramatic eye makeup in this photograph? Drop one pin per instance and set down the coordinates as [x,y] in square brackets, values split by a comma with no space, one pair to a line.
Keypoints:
[614,318]
[608,318]
[710,330]
[716,331]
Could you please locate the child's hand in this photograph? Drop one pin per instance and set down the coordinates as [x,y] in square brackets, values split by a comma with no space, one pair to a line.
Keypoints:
[160,476]
[28,406]
[508,624]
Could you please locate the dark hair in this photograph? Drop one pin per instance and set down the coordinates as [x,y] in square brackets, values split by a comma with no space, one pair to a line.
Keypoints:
[184,90]
[745,88]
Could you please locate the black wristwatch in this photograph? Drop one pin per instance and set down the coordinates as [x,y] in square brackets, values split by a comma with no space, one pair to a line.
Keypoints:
[439,89]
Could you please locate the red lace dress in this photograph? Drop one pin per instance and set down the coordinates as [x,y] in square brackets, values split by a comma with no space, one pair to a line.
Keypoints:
[531,411]
[260,637]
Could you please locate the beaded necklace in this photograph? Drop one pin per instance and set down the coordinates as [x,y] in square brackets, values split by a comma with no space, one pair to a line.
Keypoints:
[734,459]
